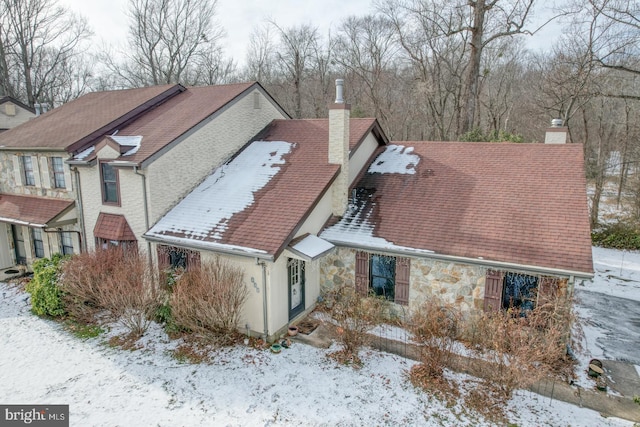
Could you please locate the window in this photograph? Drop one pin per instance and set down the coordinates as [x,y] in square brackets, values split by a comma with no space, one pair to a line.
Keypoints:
[38,244]
[109,177]
[27,166]
[58,172]
[125,245]
[519,291]
[171,257]
[505,290]
[383,275]
[67,243]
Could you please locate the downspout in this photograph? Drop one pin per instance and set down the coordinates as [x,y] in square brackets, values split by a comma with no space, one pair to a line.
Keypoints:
[146,209]
[82,234]
[265,317]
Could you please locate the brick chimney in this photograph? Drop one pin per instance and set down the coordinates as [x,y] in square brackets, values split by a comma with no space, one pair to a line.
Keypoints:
[557,133]
[339,114]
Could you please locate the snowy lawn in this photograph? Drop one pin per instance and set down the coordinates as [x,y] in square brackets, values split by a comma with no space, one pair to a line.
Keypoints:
[40,362]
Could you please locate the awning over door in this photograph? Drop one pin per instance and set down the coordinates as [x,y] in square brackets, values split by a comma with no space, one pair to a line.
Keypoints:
[310,247]
[113,227]
[34,211]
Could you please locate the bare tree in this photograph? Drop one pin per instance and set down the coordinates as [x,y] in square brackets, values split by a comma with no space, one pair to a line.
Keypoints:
[294,53]
[171,41]
[366,47]
[41,38]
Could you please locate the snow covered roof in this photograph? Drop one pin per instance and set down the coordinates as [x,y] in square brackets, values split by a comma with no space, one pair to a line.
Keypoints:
[311,247]
[256,202]
[510,203]
[205,213]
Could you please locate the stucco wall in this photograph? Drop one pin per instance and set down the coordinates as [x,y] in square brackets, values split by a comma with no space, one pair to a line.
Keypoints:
[179,170]
[359,158]
[19,116]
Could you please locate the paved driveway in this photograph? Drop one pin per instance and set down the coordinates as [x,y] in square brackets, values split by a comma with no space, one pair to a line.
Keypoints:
[617,319]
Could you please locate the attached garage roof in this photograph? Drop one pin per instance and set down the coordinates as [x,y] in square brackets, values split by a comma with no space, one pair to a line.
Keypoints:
[32,211]
[113,227]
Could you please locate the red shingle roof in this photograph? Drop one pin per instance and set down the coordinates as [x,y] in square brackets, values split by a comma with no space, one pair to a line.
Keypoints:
[113,227]
[515,203]
[61,127]
[175,117]
[280,207]
[31,210]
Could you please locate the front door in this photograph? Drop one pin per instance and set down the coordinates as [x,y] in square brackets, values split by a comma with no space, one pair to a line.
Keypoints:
[6,260]
[295,269]
[18,238]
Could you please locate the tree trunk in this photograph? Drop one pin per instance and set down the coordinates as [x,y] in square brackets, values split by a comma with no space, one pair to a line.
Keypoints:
[473,77]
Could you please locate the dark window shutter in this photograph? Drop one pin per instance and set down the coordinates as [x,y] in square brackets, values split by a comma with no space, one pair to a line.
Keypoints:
[403,277]
[493,290]
[362,273]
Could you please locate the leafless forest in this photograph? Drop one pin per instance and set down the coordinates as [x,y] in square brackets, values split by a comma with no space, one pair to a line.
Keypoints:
[427,69]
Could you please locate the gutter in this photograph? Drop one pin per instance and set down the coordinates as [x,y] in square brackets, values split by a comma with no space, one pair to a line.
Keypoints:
[83,233]
[203,247]
[146,208]
[265,316]
[474,261]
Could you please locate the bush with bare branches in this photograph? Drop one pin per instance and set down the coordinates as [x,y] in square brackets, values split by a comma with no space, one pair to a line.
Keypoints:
[355,316]
[519,349]
[115,280]
[208,300]
[435,327]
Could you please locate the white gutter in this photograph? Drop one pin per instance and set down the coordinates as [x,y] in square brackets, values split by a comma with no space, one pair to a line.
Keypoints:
[220,248]
[465,260]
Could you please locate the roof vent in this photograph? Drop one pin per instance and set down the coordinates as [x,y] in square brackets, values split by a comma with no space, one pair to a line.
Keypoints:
[339,91]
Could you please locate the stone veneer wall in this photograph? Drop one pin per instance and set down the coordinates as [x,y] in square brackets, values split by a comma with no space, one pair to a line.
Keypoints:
[454,283]
[459,284]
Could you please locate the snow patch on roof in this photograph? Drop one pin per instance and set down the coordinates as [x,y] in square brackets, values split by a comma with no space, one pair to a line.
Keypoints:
[84,154]
[355,229]
[204,213]
[312,246]
[128,141]
[395,159]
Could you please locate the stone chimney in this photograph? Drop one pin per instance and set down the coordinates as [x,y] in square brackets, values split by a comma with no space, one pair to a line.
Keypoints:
[557,133]
[339,114]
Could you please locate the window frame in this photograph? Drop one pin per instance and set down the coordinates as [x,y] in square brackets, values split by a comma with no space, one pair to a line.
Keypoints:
[28,173]
[388,291]
[103,185]
[364,276]
[37,242]
[66,242]
[59,180]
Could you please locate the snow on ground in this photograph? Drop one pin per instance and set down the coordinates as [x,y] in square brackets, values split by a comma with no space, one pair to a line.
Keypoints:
[40,362]
[617,273]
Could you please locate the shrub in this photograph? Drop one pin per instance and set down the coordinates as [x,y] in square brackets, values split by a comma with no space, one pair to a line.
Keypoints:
[522,350]
[46,295]
[355,316]
[619,235]
[208,300]
[435,327]
[115,280]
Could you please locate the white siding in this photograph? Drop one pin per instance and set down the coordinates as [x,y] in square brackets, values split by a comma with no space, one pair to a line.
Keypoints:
[359,159]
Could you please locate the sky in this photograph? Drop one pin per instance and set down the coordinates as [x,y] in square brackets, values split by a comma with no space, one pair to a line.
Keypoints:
[239,17]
